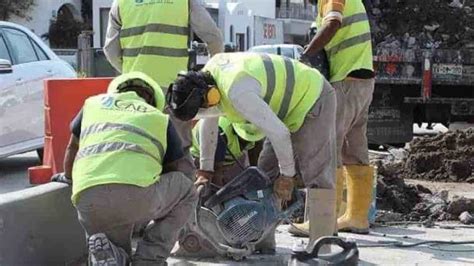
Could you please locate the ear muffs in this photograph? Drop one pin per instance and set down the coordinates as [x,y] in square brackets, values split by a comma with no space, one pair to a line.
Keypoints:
[213,96]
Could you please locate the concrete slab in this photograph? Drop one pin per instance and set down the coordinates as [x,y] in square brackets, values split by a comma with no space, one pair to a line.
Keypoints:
[423,255]
[14,171]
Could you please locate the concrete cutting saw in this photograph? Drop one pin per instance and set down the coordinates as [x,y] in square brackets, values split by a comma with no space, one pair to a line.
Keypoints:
[233,220]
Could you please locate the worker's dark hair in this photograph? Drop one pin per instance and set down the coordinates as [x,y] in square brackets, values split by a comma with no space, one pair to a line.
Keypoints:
[141,88]
[188,93]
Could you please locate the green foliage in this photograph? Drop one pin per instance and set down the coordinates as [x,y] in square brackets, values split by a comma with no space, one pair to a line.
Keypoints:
[18,8]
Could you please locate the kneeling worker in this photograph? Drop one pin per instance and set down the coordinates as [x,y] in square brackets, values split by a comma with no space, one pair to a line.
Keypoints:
[119,145]
[231,156]
[275,97]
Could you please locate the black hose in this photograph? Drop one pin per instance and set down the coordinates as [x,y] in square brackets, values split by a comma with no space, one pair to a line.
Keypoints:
[429,243]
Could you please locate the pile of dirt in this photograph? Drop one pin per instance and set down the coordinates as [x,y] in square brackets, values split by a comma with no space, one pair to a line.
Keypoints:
[447,157]
[425,24]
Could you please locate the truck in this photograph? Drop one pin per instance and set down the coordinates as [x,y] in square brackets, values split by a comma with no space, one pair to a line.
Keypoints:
[416,86]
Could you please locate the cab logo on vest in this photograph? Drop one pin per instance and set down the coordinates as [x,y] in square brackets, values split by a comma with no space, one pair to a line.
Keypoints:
[111,103]
[107,101]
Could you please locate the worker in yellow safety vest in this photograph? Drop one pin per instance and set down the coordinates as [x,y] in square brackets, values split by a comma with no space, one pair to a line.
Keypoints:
[153,37]
[272,97]
[344,34]
[120,160]
[231,156]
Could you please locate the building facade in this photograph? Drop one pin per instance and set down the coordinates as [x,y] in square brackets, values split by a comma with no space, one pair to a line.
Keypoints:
[44,12]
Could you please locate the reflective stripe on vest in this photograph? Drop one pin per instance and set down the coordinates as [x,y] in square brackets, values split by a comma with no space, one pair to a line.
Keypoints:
[287,86]
[351,48]
[154,38]
[112,147]
[122,141]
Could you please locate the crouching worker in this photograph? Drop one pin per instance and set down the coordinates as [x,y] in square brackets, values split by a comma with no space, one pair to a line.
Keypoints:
[231,156]
[275,97]
[120,143]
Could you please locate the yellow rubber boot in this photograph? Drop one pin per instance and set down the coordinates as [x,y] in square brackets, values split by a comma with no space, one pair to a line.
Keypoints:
[302,229]
[340,181]
[359,195]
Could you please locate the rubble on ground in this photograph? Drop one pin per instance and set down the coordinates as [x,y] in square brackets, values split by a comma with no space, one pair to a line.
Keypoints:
[447,157]
[425,24]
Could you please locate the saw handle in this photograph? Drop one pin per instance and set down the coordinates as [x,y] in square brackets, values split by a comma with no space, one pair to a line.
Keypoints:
[330,240]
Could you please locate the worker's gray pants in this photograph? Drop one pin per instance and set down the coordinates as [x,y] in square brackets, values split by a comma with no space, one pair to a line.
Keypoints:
[314,145]
[114,210]
[353,100]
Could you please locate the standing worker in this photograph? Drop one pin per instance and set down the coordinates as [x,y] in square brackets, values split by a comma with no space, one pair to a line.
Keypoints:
[344,34]
[275,97]
[153,37]
[120,143]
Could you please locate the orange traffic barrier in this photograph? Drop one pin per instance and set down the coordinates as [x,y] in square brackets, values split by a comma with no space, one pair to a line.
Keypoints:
[63,98]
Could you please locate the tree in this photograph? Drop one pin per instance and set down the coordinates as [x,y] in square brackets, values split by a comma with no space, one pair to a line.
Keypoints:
[17,8]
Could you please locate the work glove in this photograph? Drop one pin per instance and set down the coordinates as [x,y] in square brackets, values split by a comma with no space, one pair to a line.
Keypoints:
[283,188]
[61,178]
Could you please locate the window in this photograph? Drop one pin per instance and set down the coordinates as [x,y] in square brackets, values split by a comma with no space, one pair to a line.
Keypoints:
[248,37]
[41,54]
[231,38]
[288,52]
[104,23]
[21,48]
[3,50]
[240,42]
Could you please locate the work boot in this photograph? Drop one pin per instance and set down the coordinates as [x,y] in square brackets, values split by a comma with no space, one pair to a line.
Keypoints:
[102,252]
[322,214]
[302,229]
[359,195]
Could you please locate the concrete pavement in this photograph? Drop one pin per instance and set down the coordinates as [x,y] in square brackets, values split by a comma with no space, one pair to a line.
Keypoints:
[422,255]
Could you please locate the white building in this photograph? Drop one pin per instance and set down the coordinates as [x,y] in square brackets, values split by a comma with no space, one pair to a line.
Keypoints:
[44,11]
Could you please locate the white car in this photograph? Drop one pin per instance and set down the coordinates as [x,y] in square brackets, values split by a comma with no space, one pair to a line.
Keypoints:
[289,50]
[25,61]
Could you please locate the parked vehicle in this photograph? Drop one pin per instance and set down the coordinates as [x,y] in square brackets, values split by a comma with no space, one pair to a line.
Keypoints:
[416,86]
[25,61]
[289,50]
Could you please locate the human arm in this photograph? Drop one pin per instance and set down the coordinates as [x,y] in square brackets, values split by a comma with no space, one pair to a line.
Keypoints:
[245,98]
[112,46]
[331,12]
[205,27]
[70,156]
[72,147]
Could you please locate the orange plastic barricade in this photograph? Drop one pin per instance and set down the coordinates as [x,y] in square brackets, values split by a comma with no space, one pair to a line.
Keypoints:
[63,98]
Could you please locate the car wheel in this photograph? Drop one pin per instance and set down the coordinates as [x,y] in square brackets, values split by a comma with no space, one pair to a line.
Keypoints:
[40,153]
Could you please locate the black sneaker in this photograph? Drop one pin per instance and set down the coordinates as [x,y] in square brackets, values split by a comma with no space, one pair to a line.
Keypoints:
[102,252]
